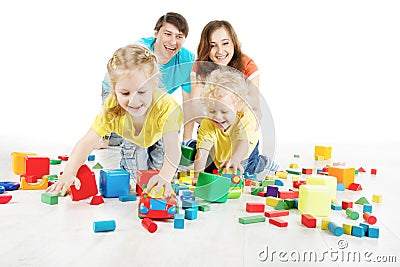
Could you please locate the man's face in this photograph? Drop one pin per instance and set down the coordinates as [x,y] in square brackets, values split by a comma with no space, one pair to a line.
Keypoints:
[169,41]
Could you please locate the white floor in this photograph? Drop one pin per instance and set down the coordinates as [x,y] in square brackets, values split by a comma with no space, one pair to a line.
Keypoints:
[36,234]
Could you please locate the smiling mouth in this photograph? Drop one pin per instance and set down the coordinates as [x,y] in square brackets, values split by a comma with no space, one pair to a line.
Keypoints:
[171,49]
[221,57]
[135,108]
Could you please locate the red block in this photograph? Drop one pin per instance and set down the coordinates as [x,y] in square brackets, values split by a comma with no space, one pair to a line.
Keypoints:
[373,171]
[30,178]
[247,182]
[308,220]
[64,158]
[355,187]
[361,169]
[149,225]
[37,166]
[306,171]
[278,222]
[97,200]
[295,192]
[369,218]
[276,213]
[142,178]
[88,184]
[5,198]
[286,194]
[346,205]
[261,194]
[296,184]
[255,207]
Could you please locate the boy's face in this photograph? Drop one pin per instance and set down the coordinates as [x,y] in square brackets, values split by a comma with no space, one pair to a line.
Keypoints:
[222,48]
[169,41]
[134,93]
[222,111]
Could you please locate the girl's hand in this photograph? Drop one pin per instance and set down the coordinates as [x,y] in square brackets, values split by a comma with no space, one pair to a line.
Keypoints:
[63,184]
[233,164]
[159,183]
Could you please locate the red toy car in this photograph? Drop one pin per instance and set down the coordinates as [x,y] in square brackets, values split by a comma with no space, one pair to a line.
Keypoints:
[156,208]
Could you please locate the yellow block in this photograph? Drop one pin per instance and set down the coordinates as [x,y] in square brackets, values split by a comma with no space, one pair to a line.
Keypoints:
[272,201]
[18,161]
[344,175]
[294,166]
[271,177]
[314,200]
[324,151]
[185,180]
[282,175]
[347,228]
[377,198]
[324,223]
[329,181]
[38,186]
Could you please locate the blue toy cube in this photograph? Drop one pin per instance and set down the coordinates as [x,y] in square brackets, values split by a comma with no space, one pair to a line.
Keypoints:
[114,183]
[357,231]
[367,208]
[191,213]
[373,232]
[179,221]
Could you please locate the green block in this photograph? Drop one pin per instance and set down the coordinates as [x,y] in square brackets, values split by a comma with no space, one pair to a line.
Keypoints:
[212,187]
[52,177]
[55,161]
[256,190]
[293,171]
[234,192]
[49,198]
[97,166]
[267,182]
[362,201]
[204,208]
[187,156]
[281,205]
[252,219]
[290,203]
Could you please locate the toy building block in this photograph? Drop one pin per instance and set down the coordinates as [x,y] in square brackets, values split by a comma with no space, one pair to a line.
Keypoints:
[204,208]
[55,161]
[295,192]
[104,226]
[373,232]
[18,161]
[49,198]
[278,182]
[369,218]
[352,214]
[329,181]
[191,197]
[377,198]
[255,190]
[347,204]
[281,174]
[2,189]
[344,175]
[272,191]
[306,171]
[324,223]
[91,157]
[179,221]
[324,151]
[5,198]
[367,208]
[272,201]
[362,201]
[38,186]
[96,200]
[10,186]
[290,203]
[97,166]
[37,166]
[127,198]
[148,224]
[255,207]
[335,206]
[268,182]
[278,222]
[355,187]
[314,200]
[143,177]
[347,228]
[114,183]
[282,205]
[335,229]
[252,219]
[294,171]
[64,157]
[185,180]
[32,179]
[373,171]
[234,192]
[286,194]
[191,213]
[293,166]
[187,155]
[365,226]
[340,187]
[276,213]
[361,169]
[298,183]
[308,220]
[187,204]
[212,187]
[247,182]
[88,184]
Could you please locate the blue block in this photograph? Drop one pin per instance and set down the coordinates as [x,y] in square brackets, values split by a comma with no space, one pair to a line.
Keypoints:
[191,214]
[278,182]
[186,204]
[179,188]
[91,158]
[127,198]
[340,187]
[336,206]
[187,198]
[373,232]
[367,208]
[357,231]
[104,226]
[2,189]
[365,227]
[10,186]
[186,192]
[335,229]
[296,203]
[114,183]
[179,221]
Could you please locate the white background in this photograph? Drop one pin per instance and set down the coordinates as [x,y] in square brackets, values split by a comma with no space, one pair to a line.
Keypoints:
[330,70]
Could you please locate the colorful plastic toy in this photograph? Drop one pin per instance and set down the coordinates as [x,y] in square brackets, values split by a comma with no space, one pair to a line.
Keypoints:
[104,226]
[88,184]
[114,183]
[156,208]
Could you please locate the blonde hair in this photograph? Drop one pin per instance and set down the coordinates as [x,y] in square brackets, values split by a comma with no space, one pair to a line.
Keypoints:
[223,81]
[123,62]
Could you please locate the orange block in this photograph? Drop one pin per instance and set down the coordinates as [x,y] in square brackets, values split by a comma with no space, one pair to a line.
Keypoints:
[37,186]
[18,161]
[344,175]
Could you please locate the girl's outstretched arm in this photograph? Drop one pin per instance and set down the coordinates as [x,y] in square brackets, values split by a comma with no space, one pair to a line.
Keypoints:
[77,157]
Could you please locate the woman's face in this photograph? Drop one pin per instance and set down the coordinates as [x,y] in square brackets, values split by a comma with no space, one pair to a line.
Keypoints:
[222,48]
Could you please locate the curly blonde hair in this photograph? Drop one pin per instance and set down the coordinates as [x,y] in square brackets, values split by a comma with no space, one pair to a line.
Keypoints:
[223,81]
[123,62]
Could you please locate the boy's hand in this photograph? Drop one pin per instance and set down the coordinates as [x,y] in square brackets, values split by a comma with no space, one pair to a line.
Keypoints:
[158,182]
[233,164]
[63,184]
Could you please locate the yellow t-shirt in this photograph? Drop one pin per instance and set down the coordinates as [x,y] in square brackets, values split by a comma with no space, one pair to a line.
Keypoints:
[224,142]
[163,116]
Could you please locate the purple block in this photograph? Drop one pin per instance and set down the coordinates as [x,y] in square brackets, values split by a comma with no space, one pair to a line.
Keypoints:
[272,191]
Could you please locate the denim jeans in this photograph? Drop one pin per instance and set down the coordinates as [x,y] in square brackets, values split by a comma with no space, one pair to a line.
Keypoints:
[135,158]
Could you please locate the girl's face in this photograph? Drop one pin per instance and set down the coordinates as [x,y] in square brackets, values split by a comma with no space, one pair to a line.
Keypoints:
[134,93]
[222,111]
[222,48]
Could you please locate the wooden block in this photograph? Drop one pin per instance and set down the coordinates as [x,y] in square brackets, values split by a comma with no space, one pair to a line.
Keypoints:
[252,219]
[278,222]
